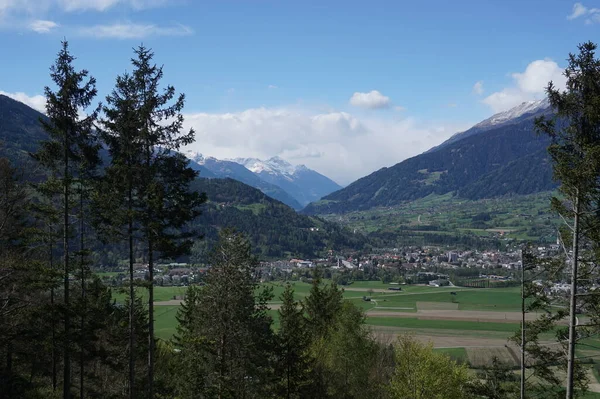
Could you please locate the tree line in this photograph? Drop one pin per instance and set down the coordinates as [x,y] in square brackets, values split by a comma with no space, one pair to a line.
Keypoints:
[110,174]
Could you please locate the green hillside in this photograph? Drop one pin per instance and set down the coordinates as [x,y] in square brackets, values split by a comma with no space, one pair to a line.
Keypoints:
[274,229]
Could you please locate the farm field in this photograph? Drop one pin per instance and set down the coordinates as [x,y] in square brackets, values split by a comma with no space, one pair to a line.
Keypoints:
[472,326]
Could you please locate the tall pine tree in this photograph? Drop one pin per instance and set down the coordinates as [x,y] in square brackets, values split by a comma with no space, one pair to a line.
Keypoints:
[575,153]
[72,144]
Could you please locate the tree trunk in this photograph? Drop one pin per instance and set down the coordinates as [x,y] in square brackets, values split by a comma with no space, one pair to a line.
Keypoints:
[53,325]
[67,341]
[83,305]
[150,320]
[131,299]
[573,304]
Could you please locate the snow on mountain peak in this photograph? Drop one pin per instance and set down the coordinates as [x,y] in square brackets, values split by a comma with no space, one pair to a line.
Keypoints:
[281,165]
[194,156]
[526,107]
[274,166]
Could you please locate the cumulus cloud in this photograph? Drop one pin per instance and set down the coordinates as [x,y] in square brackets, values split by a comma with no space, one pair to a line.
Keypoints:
[42,26]
[527,85]
[371,100]
[478,88]
[130,30]
[337,144]
[37,102]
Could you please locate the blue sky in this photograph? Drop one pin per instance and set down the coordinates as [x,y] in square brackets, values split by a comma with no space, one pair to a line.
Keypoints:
[345,87]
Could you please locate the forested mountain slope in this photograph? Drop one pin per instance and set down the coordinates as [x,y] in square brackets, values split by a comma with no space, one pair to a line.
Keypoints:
[505,160]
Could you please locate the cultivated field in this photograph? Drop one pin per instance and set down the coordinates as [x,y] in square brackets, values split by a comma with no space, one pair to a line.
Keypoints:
[472,326]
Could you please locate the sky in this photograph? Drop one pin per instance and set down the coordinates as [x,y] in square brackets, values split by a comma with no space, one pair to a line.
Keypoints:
[344,87]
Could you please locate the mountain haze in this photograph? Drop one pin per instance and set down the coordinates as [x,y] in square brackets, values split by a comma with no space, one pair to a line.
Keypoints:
[302,183]
[229,169]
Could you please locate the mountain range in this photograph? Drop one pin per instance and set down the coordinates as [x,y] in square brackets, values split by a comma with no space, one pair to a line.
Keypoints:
[295,186]
[500,156]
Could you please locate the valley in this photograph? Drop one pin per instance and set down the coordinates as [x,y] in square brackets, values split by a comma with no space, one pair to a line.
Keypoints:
[505,219]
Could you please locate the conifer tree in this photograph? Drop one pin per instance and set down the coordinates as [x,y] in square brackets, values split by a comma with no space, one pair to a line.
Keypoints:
[294,357]
[144,129]
[225,329]
[72,144]
[575,154]
[116,198]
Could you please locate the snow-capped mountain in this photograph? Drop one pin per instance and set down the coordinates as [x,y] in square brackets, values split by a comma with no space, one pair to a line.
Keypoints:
[194,156]
[228,169]
[274,166]
[523,111]
[302,183]
[527,107]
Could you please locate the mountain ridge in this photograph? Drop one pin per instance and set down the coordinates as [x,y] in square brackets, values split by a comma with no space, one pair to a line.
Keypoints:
[509,158]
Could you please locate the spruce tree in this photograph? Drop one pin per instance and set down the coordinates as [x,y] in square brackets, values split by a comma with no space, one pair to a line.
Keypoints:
[225,328]
[116,198]
[144,128]
[72,144]
[575,154]
[294,358]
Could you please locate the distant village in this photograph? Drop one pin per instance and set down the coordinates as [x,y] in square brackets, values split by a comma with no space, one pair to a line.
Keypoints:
[413,265]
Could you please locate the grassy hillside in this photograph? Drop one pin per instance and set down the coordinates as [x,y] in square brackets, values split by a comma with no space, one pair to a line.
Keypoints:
[439,219]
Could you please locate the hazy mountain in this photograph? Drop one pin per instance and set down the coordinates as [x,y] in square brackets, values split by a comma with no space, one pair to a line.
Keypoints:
[499,156]
[302,183]
[223,168]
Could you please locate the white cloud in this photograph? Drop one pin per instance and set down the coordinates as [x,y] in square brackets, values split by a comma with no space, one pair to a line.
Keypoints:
[133,31]
[478,88]
[37,102]
[528,85]
[399,108]
[371,100]
[76,5]
[272,87]
[337,144]
[579,10]
[42,26]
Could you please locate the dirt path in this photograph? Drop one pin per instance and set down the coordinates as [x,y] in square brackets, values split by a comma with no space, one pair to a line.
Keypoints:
[458,315]
[444,341]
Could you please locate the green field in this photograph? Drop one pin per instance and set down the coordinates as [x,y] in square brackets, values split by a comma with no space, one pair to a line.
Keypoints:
[160,293]
[478,299]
